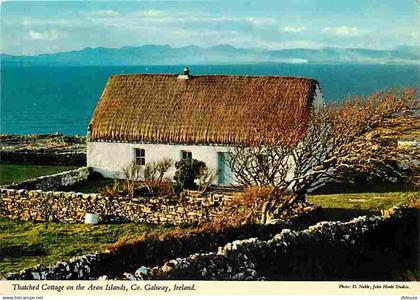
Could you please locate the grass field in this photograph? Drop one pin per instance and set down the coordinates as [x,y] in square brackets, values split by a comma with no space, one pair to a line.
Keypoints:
[24,244]
[16,172]
[344,207]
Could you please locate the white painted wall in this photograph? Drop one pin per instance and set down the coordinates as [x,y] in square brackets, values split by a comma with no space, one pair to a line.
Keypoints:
[109,158]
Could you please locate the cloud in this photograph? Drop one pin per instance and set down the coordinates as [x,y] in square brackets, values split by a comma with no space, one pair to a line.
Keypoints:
[343,30]
[293,28]
[26,22]
[151,13]
[259,21]
[289,44]
[106,13]
[45,36]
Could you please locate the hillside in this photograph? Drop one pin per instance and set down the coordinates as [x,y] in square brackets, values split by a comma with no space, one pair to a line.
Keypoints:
[221,54]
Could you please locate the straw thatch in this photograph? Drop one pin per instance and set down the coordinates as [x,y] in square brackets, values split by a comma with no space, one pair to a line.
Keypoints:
[211,109]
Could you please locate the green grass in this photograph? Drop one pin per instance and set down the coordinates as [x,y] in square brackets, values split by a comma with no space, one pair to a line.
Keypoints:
[24,243]
[17,172]
[345,207]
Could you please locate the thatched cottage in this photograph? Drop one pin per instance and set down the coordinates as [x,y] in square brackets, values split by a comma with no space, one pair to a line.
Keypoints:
[147,117]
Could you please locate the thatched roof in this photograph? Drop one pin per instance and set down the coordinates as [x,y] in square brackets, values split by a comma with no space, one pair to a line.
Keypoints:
[210,109]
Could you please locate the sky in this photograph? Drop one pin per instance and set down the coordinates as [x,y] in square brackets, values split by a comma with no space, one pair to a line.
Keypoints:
[35,27]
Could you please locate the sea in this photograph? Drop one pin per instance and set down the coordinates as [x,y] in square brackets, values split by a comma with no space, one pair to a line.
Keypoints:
[50,99]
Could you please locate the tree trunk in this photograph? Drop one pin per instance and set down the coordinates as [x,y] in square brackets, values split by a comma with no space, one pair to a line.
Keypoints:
[264,212]
[286,204]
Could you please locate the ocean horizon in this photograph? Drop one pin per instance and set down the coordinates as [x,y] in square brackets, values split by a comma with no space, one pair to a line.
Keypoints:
[49,99]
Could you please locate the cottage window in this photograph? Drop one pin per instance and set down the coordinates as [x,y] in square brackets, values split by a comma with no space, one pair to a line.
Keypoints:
[186,154]
[140,156]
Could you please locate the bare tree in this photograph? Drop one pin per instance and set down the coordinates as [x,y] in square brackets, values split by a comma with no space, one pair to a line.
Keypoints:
[162,167]
[205,178]
[359,135]
[151,176]
[132,174]
[154,177]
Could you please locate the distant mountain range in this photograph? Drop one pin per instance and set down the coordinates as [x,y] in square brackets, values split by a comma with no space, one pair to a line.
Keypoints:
[222,54]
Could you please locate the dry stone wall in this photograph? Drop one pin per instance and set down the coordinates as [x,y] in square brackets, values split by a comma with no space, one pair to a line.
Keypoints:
[238,260]
[40,199]
[44,157]
[52,182]
[297,254]
[71,207]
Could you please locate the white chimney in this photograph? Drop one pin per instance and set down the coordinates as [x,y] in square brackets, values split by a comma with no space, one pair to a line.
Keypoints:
[186,74]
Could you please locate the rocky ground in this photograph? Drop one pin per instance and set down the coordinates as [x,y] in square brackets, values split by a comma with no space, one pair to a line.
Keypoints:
[43,149]
[39,142]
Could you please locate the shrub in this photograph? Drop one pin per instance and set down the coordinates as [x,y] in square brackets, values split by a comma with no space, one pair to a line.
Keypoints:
[162,167]
[132,173]
[146,180]
[149,172]
[253,199]
[154,178]
[205,179]
[158,187]
[253,194]
[112,191]
[187,171]
[156,171]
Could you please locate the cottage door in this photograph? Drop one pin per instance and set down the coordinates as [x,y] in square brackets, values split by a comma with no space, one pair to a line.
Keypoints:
[221,168]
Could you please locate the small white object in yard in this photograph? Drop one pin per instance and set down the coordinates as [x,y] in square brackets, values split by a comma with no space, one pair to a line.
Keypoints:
[91,218]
